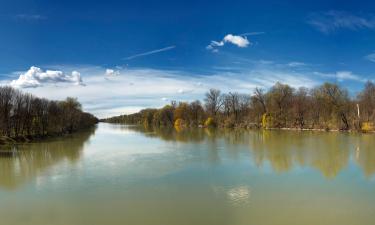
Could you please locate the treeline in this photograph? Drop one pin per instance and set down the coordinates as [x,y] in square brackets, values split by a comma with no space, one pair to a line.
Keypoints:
[327,106]
[24,115]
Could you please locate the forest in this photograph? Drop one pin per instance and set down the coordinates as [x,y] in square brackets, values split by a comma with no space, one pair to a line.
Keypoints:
[23,115]
[325,107]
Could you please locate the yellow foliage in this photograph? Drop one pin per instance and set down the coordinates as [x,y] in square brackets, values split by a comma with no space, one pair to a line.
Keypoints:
[267,120]
[210,122]
[179,123]
[367,126]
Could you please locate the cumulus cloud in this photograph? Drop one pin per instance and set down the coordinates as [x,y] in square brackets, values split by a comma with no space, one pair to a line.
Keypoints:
[328,22]
[112,72]
[36,77]
[240,41]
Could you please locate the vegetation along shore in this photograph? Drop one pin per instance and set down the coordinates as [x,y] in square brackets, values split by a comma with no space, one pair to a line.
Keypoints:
[26,117]
[325,107]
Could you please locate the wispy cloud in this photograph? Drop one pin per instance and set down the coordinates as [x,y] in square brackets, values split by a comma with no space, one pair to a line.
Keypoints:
[139,88]
[240,41]
[153,87]
[30,17]
[370,57]
[150,52]
[342,76]
[296,64]
[331,21]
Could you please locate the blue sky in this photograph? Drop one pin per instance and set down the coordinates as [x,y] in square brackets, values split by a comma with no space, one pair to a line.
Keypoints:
[121,56]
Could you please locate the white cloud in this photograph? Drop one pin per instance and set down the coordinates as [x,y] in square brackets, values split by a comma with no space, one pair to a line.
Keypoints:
[112,72]
[328,22]
[370,57]
[36,77]
[240,41]
[153,88]
[342,76]
[348,75]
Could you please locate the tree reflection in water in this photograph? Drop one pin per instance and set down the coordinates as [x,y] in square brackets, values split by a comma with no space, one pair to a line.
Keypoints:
[328,152]
[26,161]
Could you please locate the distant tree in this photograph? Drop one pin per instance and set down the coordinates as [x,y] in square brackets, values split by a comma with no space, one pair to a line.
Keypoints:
[25,115]
[280,99]
[366,100]
[213,101]
[335,103]
[301,103]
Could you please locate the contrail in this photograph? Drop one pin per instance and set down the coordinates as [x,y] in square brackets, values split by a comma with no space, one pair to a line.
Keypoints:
[252,33]
[150,52]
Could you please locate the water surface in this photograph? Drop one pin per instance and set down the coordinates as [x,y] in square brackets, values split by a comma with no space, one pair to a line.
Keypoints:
[118,174]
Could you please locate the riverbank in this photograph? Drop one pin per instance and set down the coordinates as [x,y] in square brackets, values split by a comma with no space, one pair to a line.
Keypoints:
[8,141]
[253,127]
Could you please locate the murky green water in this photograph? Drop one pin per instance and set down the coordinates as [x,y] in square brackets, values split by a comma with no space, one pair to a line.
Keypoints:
[125,175]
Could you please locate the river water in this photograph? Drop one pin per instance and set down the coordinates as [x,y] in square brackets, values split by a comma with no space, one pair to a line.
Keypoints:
[117,174]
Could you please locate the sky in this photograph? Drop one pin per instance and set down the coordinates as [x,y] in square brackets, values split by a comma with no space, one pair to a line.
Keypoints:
[118,57]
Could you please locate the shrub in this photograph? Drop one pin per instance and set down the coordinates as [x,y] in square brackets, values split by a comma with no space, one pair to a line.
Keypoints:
[267,120]
[210,122]
[179,123]
[367,127]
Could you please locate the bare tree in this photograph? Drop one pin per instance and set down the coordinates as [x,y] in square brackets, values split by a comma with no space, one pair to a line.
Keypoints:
[213,101]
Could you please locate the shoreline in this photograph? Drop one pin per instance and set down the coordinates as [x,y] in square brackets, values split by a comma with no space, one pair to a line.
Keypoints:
[8,141]
[261,128]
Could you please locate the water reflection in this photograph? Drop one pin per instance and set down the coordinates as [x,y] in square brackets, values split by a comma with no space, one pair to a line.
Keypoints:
[328,152]
[24,162]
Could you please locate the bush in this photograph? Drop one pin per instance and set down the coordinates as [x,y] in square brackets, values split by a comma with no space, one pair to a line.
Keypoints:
[210,122]
[180,123]
[267,120]
[367,127]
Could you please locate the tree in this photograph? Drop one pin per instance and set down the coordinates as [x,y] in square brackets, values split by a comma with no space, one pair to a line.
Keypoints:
[335,103]
[280,98]
[196,113]
[213,101]
[26,115]
[259,98]
[301,102]
[366,100]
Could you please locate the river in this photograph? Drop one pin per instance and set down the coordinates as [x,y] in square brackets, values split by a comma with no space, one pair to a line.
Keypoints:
[117,174]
